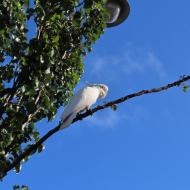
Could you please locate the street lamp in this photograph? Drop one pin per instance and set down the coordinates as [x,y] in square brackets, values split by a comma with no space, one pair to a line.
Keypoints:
[118,10]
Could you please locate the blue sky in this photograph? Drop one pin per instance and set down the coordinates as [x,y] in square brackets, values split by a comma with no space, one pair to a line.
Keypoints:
[145,143]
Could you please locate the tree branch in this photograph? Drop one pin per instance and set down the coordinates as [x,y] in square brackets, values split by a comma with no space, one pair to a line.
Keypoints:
[34,147]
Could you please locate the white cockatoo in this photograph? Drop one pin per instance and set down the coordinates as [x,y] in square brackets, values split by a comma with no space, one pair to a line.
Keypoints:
[81,101]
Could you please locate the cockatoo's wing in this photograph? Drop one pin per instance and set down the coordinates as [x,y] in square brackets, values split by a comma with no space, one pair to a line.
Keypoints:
[82,100]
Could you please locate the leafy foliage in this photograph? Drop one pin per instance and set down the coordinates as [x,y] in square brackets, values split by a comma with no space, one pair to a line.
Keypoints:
[23,187]
[38,74]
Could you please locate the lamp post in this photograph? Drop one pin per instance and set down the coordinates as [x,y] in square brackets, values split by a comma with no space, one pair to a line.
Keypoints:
[118,10]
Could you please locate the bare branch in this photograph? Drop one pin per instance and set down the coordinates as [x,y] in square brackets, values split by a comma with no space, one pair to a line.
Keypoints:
[34,147]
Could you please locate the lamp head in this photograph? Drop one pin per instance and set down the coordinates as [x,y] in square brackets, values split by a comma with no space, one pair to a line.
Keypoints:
[118,12]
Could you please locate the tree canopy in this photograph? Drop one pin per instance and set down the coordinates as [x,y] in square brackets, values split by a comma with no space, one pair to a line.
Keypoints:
[38,73]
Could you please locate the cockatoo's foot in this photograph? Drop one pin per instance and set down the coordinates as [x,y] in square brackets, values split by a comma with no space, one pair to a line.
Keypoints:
[89,111]
[86,110]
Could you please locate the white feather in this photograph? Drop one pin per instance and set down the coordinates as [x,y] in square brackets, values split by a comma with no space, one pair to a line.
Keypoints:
[82,100]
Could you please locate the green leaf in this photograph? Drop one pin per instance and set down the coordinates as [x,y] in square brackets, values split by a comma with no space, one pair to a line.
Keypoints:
[114,107]
[41,148]
[16,187]
[18,168]
[47,101]
[24,187]
[185,88]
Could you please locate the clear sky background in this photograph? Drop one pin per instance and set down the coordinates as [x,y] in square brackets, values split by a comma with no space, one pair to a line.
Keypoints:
[145,144]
